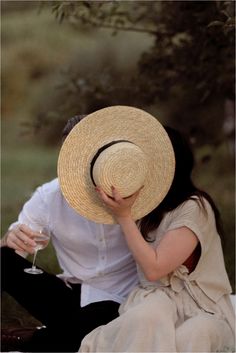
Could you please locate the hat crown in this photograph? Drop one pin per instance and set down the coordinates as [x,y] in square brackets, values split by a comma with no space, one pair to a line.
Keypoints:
[123,165]
[83,145]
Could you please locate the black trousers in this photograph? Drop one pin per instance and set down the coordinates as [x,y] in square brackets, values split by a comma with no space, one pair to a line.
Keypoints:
[50,301]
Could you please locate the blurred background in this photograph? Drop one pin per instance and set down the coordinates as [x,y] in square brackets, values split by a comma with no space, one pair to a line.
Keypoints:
[174,59]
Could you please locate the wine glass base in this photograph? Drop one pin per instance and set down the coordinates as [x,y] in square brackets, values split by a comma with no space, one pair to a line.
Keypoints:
[33,271]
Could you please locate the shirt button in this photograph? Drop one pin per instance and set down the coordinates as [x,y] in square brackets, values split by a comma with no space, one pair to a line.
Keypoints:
[103,257]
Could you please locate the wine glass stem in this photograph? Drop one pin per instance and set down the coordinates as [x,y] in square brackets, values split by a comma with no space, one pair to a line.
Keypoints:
[35,254]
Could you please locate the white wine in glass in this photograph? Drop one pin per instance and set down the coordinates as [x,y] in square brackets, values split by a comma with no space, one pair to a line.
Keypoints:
[41,238]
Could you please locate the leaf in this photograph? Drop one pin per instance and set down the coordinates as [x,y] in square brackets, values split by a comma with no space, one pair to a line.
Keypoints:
[61,17]
[215,23]
[55,7]
[225,13]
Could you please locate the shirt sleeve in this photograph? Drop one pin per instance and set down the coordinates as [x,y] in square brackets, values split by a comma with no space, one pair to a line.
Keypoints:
[35,210]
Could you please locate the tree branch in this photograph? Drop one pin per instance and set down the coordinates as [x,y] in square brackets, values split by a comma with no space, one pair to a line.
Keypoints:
[118,28]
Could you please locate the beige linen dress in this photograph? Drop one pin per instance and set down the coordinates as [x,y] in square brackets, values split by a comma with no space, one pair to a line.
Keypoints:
[182,312]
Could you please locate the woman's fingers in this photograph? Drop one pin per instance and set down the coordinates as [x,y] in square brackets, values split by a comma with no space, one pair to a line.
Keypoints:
[129,199]
[121,207]
[135,195]
[117,199]
[108,200]
[116,194]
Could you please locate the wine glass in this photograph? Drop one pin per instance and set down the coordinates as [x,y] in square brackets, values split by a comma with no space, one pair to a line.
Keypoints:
[41,237]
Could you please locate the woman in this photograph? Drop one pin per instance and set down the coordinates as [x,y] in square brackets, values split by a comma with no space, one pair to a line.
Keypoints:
[182,303]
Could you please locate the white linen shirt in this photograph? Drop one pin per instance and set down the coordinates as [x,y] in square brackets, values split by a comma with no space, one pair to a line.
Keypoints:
[95,255]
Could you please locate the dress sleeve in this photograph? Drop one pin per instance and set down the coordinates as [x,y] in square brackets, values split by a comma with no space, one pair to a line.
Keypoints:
[200,220]
[210,274]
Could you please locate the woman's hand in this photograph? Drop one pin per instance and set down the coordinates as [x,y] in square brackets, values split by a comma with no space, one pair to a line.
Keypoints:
[120,207]
[20,239]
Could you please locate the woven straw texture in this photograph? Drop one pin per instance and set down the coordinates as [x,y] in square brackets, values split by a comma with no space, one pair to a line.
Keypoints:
[152,163]
[123,165]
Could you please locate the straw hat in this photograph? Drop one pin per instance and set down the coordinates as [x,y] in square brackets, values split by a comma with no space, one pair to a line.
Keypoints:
[117,146]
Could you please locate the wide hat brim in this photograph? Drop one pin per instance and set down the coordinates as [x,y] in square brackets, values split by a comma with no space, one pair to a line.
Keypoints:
[98,129]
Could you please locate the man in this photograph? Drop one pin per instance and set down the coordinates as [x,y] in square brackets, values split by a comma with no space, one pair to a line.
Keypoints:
[98,271]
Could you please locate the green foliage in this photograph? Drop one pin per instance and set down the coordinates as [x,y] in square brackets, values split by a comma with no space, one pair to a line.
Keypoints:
[116,15]
[191,61]
[188,64]
[194,44]
[195,55]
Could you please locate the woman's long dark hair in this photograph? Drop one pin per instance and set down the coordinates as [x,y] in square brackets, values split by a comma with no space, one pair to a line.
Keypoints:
[182,187]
